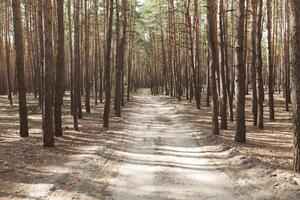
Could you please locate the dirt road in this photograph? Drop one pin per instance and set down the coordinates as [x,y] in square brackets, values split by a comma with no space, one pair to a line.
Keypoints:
[162,160]
[159,149]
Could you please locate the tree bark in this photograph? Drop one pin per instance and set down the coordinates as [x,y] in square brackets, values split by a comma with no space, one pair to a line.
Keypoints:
[60,68]
[49,77]
[259,67]
[223,95]
[8,64]
[240,134]
[87,58]
[76,75]
[270,61]
[214,62]
[107,61]
[295,5]
[253,62]
[19,47]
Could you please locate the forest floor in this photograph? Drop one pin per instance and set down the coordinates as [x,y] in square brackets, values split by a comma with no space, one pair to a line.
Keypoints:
[159,149]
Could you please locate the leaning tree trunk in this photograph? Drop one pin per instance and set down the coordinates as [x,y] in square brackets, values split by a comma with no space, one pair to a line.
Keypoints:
[19,46]
[240,134]
[295,4]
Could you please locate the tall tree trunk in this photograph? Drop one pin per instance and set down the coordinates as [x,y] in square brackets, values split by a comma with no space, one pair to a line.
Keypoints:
[270,60]
[71,57]
[214,62]
[42,52]
[19,47]
[295,5]
[96,38]
[49,77]
[107,60]
[87,58]
[7,49]
[60,68]
[223,95]
[259,66]
[287,56]
[253,62]
[117,99]
[197,54]
[240,134]
[76,71]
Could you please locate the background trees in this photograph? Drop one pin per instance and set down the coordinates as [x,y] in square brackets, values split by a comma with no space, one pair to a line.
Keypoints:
[196,49]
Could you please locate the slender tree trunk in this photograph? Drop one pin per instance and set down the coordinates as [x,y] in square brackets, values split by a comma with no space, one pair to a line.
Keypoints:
[19,47]
[287,56]
[87,58]
[214,62]
[48,131]
[107,61]
[295,5]
[96,38]
[259,67]
[71,58]
[270,61]
[7,49]
[240,134]
[197,54]
[223,95]
[117,99]
[253,62]
[60,68]
[42,52]
[76,75]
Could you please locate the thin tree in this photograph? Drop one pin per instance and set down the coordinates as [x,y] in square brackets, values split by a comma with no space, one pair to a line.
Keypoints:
[240,134]
[42,52]
[76,71]
[60,68]
[223,96]
[49,77]
[107,60]
[214,62]
[96,52]
[295,5]
[254,61]
[87,57]
[270,60]
[259,66]
[19,47]
[7,49]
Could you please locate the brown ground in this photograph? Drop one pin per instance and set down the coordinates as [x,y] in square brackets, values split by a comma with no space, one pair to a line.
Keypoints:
[274,144]
[24,162]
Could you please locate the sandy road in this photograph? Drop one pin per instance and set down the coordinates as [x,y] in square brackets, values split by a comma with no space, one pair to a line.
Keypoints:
[153,155]
[161,160]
